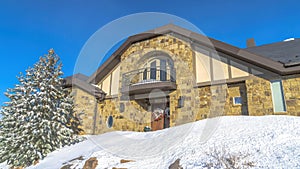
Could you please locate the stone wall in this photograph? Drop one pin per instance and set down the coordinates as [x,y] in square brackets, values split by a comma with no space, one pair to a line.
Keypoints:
[182,55]
[259,96]
[212,101]
[85,107]
[199,103]
[291,88]
[236,90]
[93,115]
[129,120]
[217,100]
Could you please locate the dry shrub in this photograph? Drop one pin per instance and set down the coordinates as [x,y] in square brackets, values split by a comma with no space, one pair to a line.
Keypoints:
[223,158]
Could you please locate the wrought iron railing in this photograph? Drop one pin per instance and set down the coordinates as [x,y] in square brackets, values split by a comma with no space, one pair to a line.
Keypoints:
[149,75]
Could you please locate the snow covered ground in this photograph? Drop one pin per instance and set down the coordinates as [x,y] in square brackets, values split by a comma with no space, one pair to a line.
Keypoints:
[270,141]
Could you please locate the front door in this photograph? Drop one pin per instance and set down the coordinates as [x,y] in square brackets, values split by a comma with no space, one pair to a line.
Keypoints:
[160,116]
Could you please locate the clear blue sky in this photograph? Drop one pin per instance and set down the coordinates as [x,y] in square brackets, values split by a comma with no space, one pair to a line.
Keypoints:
[29,28]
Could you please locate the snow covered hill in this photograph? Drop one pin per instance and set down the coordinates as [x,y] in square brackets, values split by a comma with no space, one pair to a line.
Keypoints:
[269,142]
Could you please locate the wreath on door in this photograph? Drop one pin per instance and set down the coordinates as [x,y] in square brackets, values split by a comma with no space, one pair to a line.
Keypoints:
[157,114]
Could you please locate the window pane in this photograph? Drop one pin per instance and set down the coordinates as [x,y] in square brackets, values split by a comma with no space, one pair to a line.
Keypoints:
[153,70]
[110,121]
[237,100]
[163,73]
[145,74]
[277,96]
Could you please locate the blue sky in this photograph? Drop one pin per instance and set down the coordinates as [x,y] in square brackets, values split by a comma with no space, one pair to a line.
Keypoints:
[29,28]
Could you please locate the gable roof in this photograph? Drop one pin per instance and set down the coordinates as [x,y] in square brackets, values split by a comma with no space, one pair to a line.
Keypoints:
[79,80]
[241,54]
[286,52]
[80,76]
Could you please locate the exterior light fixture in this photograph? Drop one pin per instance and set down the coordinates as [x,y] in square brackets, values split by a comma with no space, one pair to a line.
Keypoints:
[180,101]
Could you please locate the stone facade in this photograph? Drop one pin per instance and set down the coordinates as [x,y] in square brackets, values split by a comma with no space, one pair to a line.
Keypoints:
[291,87]
[182,55]
[259,96]
[85,106]
[217,100]
[199,102]
[133,118]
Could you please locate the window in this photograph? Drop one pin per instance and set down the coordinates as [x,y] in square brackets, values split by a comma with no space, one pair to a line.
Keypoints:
[145,74]
[110,121]
[163,68]
[237,100]
[153,70]
[278,96]
[158,67]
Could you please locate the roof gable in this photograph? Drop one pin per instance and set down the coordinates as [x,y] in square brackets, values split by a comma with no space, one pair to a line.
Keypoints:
[79,80]
[241,54]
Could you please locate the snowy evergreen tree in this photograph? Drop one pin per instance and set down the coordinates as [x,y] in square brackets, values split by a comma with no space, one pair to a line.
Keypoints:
[39,117]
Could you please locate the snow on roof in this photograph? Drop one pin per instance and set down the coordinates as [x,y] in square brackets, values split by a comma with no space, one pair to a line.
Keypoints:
[289,39]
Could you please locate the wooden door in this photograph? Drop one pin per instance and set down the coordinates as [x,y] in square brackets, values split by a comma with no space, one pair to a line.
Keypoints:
[160,119]
[157,118]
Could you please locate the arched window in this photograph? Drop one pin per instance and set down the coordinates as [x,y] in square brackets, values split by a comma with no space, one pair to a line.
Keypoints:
[158,68]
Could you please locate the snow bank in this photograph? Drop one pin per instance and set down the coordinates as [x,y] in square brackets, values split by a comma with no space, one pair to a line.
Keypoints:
[270,141]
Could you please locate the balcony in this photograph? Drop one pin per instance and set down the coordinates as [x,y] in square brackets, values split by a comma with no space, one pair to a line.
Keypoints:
[143,81]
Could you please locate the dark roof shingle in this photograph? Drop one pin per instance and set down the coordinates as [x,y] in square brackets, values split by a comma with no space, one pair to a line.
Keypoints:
[286,52]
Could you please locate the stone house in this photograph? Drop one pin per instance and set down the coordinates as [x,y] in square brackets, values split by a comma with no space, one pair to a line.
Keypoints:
[170,76]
